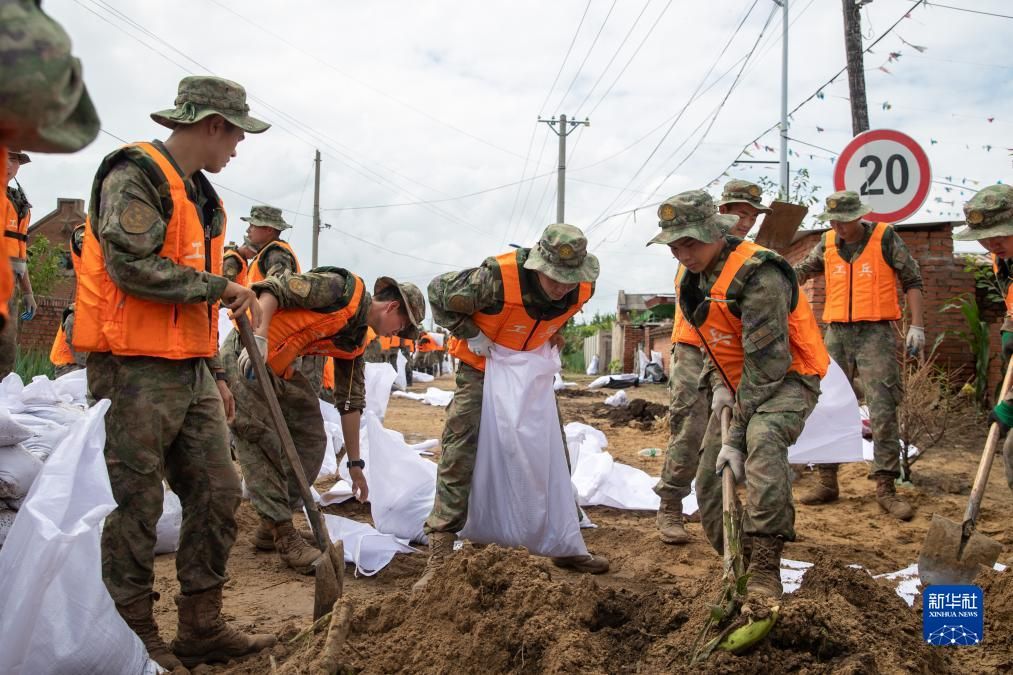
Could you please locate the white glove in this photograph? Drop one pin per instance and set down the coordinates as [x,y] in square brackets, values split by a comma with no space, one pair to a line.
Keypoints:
[915,341]
[480,344]
[245,365]
[735,459]
[721,399]
[30,307]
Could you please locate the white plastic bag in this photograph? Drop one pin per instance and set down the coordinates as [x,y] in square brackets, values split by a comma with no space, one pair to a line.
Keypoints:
[833,431]
[18,469]
[11,432]
[56,615]
[73,385]
[618,399]
[379,379]
[521,493]
[401,381]
[421,377]
[367,548]
[167,528]
[592,368]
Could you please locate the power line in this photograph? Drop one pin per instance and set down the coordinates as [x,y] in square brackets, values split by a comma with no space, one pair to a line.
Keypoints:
[969,11]
[590,49]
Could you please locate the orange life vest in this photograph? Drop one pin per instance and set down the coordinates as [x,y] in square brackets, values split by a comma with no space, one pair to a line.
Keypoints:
[15,229]
[864,289]
[395,342]
[1008,281]
[721,329]
[682,331]
[244,267]
[107,319]
[298,332]
[255,271]
[60,354]
[75,252]
[513,327]
[328,381]
[428,344]
[6,274]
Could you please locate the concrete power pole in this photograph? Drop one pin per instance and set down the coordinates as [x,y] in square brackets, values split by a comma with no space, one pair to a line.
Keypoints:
[856,67]
[784,98]
[564,129]
[316,207]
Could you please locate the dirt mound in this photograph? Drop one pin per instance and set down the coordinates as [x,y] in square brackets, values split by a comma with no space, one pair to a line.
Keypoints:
[639,412]
[996,651]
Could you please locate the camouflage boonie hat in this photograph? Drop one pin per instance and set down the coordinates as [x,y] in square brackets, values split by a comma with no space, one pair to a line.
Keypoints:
[561,254]
[691,214]
[844,206]
[412,300]
[22,157]
[200,96]
[989,213]
[266,216]
[743,192]
[44,104]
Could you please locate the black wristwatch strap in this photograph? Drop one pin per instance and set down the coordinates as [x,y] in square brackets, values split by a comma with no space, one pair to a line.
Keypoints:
[221,376]
[361,463]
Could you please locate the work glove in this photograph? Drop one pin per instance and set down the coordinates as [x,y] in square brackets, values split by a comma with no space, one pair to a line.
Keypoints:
[735,459]
[245,364]
[480,344]
[30,307]
[915,340]
[1002,415]
[721,399]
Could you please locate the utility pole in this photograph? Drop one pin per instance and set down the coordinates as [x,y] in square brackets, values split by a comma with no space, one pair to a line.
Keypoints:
[856,67]
[316,207]
[564,129]
[784,97]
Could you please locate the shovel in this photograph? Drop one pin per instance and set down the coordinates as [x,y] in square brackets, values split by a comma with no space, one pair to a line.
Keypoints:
[730,513]
[953,553]
[780,225]
[329,567]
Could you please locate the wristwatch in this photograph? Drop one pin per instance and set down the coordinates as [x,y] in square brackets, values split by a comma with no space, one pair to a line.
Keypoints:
[220,376]
[361,463]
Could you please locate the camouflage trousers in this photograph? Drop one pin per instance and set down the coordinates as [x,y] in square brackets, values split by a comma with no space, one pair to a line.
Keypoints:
[868,350]
[273,489]
[60,371]
[687,419]
[166,421]
[459,446]
[775,426]
[9,337]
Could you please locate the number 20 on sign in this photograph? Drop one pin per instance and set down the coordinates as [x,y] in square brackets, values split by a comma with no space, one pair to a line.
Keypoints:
[888,170]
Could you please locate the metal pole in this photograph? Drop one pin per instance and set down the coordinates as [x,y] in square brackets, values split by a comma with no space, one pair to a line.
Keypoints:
[784,100]
[316,206]
[561,174]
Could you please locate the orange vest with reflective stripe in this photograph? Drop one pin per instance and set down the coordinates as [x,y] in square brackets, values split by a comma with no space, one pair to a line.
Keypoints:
[864,289]
[107,319]
[255,273]
[6,274]
[60,354]
[682,330]
[513,327]
[15,229]
[1009,284]
[722,330]
[244,267]
[298,332]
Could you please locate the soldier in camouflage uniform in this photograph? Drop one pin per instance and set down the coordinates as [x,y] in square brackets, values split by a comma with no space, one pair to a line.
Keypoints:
[550,276]
[232,269]
[866,346]
[687,410]
[15,214]
[374,352]
[168,415]
[774,388]
[989,217]
[273,256]
[274,492]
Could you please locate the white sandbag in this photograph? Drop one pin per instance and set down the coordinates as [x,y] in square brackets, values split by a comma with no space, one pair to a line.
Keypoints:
[41,391]
[592,368]
[438,397]
[335,439]
[73,385]
[167,528]
[7,516]
[402,485]
[833,432]
[15,504]
[10,392]
[379,379]
[421,377]
[46,435]
[559,384]
[340,492]
[657,358]
[11,431]
[400,381]
[56,615]
[410,395]
[521,493]
[225,325]
[618,399]
[18,470]
[364,546]
[605,379]
[424,447]
[642,362]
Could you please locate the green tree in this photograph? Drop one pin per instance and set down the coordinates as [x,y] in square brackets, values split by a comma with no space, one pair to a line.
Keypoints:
[43,265]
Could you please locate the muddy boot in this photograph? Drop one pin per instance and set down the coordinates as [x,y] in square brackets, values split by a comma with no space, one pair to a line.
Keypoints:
[441,545]
[765,568]
[141,619]
[670,523]
[204,637]
[826,490]
[263,537]
[589,564]
[293,549]
[886,497]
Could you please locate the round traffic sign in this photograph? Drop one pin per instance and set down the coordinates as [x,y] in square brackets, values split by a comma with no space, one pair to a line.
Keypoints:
[888,170]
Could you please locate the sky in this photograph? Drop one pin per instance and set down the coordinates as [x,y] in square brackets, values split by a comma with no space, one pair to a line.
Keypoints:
[438,102]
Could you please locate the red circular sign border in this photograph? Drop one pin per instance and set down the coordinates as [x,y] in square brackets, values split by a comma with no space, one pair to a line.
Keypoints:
[898,137]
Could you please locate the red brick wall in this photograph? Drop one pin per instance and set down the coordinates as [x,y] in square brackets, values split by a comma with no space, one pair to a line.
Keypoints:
[38,333]
[633,337]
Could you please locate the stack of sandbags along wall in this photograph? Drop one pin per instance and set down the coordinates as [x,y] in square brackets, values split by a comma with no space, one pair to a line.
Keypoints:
[18,468]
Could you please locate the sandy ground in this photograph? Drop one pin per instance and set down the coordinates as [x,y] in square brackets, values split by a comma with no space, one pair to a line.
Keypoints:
[265,596]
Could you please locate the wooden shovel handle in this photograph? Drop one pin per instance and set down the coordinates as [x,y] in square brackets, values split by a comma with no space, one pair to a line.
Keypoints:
[729,503]
[985,465]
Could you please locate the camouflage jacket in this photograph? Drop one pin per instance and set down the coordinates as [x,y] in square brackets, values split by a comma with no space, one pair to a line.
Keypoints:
[273,260]
[895,253]
[326,289]
[455,296]
[765,306]
[231,268]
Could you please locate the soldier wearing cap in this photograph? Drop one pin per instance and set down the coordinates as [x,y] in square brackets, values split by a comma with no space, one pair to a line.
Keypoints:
[861,263]
[688,403]
[765,359]
[989,217]
[519,300]
[236,263]
[16,212]
[149,281]
[324,312]
[274,256]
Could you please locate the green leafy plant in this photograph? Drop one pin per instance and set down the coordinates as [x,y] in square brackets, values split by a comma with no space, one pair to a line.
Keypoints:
[985,280]
[615,367]
[44,265]
[801,189]
[977,339]
[32,362]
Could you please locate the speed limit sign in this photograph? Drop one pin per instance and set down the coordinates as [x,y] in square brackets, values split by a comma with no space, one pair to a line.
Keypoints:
[888,170]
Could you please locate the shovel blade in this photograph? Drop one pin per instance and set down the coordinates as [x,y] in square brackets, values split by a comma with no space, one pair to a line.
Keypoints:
[948,559]
[780,225]
[327,590]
